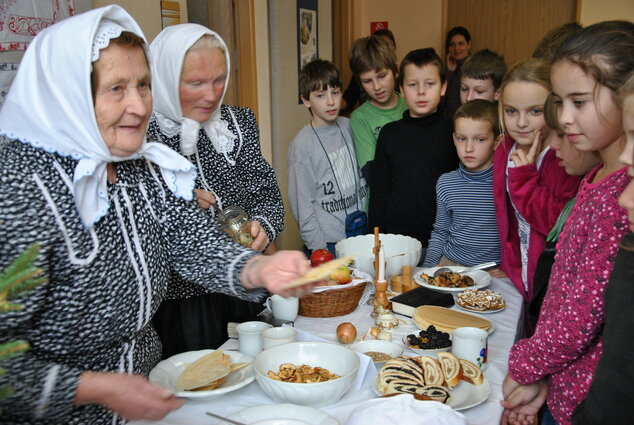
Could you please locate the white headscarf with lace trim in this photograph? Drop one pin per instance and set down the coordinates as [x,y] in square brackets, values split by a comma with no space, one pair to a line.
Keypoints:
[50,106]
[168,52]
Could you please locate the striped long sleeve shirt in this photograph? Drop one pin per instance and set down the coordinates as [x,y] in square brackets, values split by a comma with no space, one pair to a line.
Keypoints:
[465,230]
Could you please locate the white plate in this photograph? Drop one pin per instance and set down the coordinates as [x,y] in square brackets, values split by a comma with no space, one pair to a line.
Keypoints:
[166,374]
[481,279]
[461,397]
[310,415]
[497,310]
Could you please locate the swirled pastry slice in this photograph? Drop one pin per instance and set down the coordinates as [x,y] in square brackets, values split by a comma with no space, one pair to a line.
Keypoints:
[450,368]
[471,373]
[434,392]
[404,366]
[432,371]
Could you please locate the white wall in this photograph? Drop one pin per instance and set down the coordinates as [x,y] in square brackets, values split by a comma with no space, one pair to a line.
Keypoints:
[287,115]
[415,23]
[592,11]
[147,13]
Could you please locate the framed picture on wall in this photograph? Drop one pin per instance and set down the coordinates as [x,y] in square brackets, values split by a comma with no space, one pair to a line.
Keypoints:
[170,13]
[307,35]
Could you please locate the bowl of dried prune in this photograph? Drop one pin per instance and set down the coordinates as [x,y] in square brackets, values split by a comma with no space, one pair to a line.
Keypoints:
[428,341]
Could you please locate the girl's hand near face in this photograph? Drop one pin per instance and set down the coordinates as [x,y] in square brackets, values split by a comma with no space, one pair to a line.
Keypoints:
[520,157]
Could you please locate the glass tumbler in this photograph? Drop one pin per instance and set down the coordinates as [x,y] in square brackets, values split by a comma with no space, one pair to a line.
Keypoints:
[236,224]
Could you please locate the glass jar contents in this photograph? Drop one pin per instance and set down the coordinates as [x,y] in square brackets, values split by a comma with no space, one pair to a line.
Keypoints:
[235,222]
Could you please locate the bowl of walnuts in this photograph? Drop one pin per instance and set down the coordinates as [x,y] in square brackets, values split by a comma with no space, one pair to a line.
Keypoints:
[313,374]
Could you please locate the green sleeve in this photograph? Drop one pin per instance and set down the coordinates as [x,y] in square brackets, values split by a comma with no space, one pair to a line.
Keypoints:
[364,141]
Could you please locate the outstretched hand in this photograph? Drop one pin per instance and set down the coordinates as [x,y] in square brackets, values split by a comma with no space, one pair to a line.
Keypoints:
[276,271]
[521,157]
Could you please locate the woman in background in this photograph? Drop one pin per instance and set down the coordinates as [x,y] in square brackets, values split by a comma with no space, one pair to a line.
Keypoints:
[190,72]
[457,49]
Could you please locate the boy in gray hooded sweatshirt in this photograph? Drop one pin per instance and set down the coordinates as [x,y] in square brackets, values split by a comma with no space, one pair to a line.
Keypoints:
[324,180]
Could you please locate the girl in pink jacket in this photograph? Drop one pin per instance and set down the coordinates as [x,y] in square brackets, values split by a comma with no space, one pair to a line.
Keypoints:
[530,189]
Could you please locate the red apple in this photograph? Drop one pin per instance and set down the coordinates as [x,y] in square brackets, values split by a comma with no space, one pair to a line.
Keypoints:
[341,275]
[320,256]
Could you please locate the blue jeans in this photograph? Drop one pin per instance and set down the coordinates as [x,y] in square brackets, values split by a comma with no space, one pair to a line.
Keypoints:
[548,418]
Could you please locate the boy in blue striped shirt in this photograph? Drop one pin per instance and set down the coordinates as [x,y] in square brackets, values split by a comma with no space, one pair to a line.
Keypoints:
[465,231]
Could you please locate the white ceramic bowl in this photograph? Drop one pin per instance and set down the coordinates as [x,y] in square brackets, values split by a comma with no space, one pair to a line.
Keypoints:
[378,345]
[399,251]
[336,358]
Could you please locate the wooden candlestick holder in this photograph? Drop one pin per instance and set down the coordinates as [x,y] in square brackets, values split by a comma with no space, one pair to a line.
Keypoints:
[380,296]
[380,287]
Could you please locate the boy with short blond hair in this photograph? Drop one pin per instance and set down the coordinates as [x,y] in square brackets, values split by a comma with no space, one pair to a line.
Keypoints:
[413,152]
[324,181]
[482,74]
[373,63]
[465,232]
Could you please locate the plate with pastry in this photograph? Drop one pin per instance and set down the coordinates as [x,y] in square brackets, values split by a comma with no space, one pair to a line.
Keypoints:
[452,281]
[480,301]
[204,374]
[455,382]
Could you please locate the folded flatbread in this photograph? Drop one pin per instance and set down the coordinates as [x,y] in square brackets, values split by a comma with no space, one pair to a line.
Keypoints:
[321,272]
[205,372]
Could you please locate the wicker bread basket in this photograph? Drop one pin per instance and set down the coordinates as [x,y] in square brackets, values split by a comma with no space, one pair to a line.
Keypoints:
[335,302]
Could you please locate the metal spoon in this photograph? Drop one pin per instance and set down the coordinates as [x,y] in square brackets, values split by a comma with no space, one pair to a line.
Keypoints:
[482,266]
[231,421]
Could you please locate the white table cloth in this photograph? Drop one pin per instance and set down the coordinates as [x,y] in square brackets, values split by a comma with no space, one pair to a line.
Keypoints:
[507,323]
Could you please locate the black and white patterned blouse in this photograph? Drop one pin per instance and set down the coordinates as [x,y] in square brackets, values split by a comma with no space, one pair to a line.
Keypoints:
[105,283]
[250,183]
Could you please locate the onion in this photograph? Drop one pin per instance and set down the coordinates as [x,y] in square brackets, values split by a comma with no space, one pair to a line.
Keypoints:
[346,332]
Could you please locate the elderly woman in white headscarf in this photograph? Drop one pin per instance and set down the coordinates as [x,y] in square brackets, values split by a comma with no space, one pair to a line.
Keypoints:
[190,72]
[114,216]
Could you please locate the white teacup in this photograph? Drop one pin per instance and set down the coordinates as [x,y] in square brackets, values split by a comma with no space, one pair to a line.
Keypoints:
[250,337]
[283,308]
[470,344]
[278,336]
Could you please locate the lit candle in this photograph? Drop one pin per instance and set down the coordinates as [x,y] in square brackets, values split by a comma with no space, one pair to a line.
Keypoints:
[381,276]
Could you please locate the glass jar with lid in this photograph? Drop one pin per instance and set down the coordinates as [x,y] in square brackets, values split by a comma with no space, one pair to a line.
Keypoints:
[235,223]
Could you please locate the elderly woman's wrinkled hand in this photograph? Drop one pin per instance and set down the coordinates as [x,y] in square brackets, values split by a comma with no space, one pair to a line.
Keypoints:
[276,271]
[131,396]
[205,199]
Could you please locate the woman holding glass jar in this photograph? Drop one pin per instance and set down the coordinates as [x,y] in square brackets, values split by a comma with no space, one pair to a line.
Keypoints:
[190,71]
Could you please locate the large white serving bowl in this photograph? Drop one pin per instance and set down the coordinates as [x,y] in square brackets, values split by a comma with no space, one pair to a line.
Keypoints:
[399,251]
[336,358]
